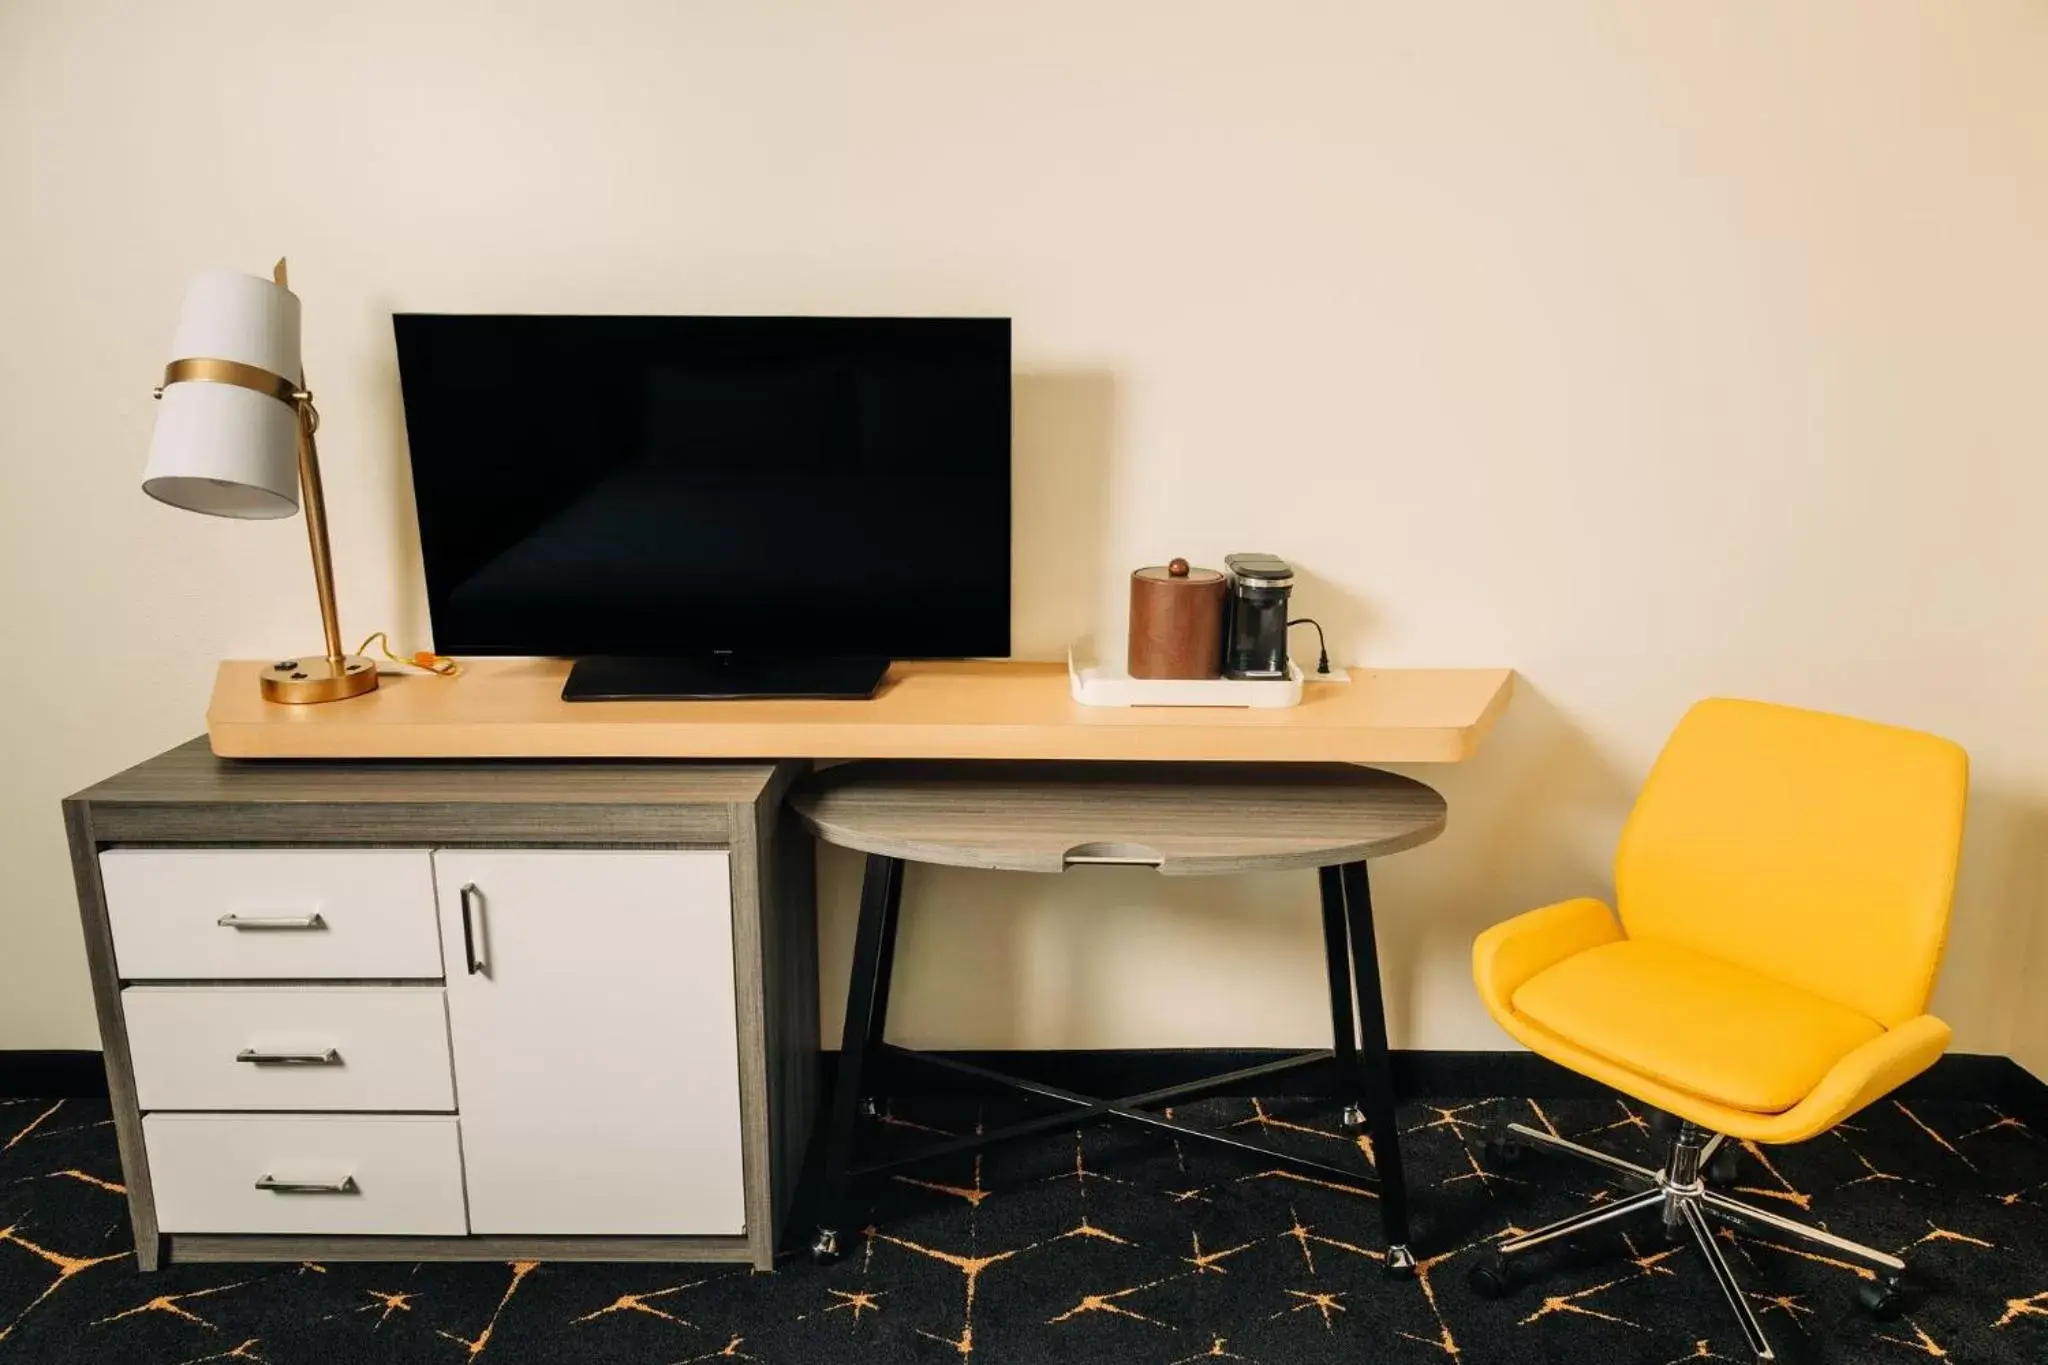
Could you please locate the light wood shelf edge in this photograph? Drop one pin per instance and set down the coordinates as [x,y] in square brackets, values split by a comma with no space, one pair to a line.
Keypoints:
[511,708]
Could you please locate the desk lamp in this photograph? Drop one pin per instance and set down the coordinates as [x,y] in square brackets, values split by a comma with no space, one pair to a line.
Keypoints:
[234,438]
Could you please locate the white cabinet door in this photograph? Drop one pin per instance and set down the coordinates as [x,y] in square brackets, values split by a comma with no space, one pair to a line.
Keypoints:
[590,1008]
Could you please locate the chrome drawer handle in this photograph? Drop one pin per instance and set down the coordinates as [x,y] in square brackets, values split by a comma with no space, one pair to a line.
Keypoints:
[327,1058]
[472,910]
[233,921]
[345,1185]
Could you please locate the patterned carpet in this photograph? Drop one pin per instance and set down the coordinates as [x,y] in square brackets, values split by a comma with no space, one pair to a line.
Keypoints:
[1106,1246]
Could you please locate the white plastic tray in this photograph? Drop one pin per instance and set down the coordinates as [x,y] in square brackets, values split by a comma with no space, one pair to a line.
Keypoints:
[1098,684]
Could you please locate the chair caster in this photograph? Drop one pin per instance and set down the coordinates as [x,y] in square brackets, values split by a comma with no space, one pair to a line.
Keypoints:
[1353,1118]
[1400,1263]
[1491,1277]
[825,1246]
[1726,1166]
[1883,1298]
[1505,1153]
[869,1109]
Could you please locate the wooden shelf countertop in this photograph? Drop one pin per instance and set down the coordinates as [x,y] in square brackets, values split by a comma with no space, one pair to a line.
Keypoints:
[513,708]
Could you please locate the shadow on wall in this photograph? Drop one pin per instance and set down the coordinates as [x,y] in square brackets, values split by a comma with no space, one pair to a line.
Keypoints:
[1998,938]
[1063,451]
[1534,819]
[2029,906]
[1345,617]
[409,617]
[953,960]
[962,944]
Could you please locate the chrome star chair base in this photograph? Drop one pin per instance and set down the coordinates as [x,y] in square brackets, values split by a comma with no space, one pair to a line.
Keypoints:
[1680,1197]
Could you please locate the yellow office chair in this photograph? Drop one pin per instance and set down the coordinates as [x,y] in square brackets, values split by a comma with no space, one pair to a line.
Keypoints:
[1783,886]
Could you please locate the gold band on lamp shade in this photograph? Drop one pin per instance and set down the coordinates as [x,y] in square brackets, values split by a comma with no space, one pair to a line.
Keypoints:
[231,372]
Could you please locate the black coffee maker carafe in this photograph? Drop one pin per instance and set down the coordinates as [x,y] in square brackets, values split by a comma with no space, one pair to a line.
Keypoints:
[1255,644]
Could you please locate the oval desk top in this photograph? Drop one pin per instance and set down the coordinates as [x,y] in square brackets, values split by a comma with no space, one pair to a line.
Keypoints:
[1185,819]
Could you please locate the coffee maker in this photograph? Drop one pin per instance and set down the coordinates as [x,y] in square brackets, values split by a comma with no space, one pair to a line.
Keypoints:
[1255,640]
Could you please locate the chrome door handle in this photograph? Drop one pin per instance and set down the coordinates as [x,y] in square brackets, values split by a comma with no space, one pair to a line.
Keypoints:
[328,1057]
[472,905]
[345,1185]
[234,921]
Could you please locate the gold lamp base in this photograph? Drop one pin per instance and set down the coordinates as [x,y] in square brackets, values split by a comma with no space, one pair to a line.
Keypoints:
[300,681]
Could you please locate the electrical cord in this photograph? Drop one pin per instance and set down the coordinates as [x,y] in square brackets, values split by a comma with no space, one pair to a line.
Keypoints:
[1322,647]
[429,662]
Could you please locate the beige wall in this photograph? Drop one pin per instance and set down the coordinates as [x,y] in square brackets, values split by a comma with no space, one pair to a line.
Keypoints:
[1654,350]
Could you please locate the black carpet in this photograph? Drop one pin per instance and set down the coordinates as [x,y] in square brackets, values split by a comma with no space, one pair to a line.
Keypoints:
[1109,1246]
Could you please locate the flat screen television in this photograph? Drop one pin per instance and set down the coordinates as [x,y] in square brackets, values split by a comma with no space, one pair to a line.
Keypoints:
[712,506]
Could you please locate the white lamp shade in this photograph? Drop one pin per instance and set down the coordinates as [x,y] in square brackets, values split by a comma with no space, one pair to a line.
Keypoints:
[220,448]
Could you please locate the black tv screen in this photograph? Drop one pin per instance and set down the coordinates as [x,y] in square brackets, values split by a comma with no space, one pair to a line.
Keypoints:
[665,486]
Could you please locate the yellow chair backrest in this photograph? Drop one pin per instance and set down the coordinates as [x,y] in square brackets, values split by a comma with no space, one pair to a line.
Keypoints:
[1812,848]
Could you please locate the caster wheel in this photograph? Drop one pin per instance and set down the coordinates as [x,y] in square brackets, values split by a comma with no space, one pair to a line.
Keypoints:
[1490,1277]
[1353,1118]
[1400,1263]
[869,1109]
[1505,1153]
[825,1246]
[1884,1298]
[1726,1166]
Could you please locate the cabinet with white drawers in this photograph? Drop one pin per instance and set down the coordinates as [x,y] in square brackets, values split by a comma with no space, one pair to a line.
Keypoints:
[450,1011]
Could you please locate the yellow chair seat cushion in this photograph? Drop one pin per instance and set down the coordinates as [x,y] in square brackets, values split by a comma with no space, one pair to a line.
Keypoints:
[1695,1023]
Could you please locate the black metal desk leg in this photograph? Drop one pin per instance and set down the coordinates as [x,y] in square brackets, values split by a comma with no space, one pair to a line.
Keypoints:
[1377,1070]
[867,1013]
[1337,958]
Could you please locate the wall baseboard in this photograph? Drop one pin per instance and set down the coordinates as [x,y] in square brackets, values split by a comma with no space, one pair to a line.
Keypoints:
[1127,1071]
[68,1075]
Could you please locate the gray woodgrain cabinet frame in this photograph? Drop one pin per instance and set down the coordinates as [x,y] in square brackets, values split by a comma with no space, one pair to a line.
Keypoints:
[186,797]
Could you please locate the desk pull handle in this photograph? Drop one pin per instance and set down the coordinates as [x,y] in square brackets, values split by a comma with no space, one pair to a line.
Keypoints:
[1110,854]
[472,906]
[233,921]
[345,1185]
[1090,860]
[328,1057]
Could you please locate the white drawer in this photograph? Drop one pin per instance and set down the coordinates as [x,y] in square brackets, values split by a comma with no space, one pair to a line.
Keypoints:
[233,913]
[390,1174]
[290,1047]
